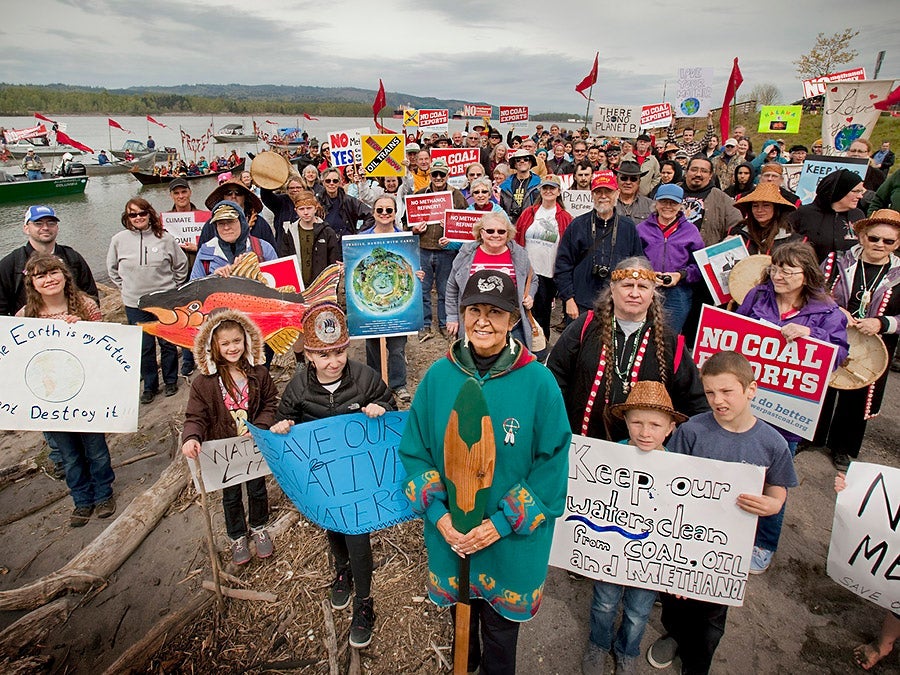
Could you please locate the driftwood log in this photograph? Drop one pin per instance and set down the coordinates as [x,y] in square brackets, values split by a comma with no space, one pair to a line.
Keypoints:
[33,628]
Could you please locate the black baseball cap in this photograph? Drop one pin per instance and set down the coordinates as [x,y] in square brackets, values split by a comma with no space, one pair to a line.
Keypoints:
[489,287]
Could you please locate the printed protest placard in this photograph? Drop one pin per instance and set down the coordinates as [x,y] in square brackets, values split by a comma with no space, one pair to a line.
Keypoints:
[384,295]
[458,224]
[716,263]
[791,176]
[434,121]
[185,226]
[282,272]
[849,112]
[693,96]
[475,110]
[781,119]
[410,117]
[578,201]
[620,121]
[864,554]
[656,115]
[383,154]
[657,520]
[815,168]
[60,376]
[346,146]
[427,208]
[342,472]
[229,461]
[792,377]
[816,85]
[513,113]
[457,158]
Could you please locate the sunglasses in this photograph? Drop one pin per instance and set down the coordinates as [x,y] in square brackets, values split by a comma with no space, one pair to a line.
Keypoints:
[438,174]
[229,193]
[384,209]
[491,231]
[629,179]
[138,214]
[875,240]
[475,175]
[481,192]
[331,181]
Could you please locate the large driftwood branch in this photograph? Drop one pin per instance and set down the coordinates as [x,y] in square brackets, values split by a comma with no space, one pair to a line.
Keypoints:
[34,627]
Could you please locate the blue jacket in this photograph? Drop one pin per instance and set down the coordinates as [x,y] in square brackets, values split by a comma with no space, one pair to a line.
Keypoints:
[532,195]
[761,158]
[215,254]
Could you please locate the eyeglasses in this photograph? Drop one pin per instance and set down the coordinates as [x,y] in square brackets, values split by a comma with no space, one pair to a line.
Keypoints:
[773,270]
[629,179]
[138,214]
[859,192]
[331,181]
[481,192]
[875,240]
[438,174]
[487,231]
[384,209]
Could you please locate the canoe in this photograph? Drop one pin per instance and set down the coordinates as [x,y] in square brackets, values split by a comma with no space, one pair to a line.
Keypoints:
[152,179]
[41,190]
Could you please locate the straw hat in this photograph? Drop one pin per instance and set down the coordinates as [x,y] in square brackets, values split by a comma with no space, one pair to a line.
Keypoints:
[270,170]
[880,217]
[648,395]
[766,192]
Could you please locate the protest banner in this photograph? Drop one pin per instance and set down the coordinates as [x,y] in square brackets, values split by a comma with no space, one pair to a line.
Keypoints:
[458,224]
[657,520]
[384,296]
[656,115]
[781,119]
[816,86]
[185,226]
[513,113]
[62,376]
[791,377]
[229,461]
[283,272]
[849,112]
[457,158]
[410,117]
[864,554]
[620,121]
[816,167]
[342,472]
[383,154]
[475,110]
[716,263]
[346,146]
[693,97]
[578,202]
[427,208]
[434,121]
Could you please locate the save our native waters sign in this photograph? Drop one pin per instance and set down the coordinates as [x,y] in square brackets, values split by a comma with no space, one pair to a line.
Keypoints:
[657,520]
[792,377]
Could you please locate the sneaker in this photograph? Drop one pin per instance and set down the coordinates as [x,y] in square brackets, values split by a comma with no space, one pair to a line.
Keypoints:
[594,660]
[147,396]
[444,333]
[171,389]
[186,372]
[80,516]
[760,560]
[263,542]
[363,623]
[402,395]
[841,461]
[340,588]
[106,509]
[662,652]
[240,551]
[626,665]
[425,334]
[57,472]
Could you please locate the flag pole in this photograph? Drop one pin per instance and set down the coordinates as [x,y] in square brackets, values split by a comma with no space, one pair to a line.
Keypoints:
[109,133]
[587,108]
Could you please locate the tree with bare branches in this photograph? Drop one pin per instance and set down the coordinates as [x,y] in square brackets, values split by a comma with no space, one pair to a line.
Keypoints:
[827,55]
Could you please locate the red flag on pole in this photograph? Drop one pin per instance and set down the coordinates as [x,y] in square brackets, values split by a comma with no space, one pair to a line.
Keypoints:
[116,125]
[892,99]
[157,123]
[310,117]
[377,105]
[42,117]
[725,118]
[63,139]
[274,124]
[591,78]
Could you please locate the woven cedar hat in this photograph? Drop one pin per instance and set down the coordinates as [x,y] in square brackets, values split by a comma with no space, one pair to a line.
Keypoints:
[325,328]
[765,192]
[648,395]
[880,217]
[270,170]
[251,201]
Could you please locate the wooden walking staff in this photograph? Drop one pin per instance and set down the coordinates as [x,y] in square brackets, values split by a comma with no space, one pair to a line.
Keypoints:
[210,540]
[469,457]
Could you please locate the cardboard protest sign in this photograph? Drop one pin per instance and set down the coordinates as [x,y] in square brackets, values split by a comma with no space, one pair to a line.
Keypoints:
[62,376]
[383,154]
[693,96]
[346,146]
[656,115]
[513,113]
[657,520]
[458,224]
[282,272]
[816,167]
[864,554]
[185,226]
[434,121]
[617,120]
[229,461]
[475,110]
[716,263]
[849,112]
[816,85]
[427,208]
[342,472]
[780,119]
[792,377]
[578,201]
[384,296]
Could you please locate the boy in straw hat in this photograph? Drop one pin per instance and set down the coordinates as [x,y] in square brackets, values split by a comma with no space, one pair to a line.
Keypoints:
[650,418]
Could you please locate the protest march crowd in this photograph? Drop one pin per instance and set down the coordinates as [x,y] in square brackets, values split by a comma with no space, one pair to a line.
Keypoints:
[618,280]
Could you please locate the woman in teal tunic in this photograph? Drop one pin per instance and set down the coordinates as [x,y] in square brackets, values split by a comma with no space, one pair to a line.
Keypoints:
[508,551]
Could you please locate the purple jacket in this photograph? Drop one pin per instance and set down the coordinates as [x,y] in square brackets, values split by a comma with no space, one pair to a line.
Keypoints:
[824,318]
[672,254]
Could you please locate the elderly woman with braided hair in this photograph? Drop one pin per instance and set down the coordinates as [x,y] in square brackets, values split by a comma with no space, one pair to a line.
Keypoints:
[622,340]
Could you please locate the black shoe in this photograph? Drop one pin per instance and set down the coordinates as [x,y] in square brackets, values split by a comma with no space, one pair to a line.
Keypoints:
[841,461]
[80,516]
[340,588]
[56,471]
[363,623]
[171,389]
[148,396]
[186,372]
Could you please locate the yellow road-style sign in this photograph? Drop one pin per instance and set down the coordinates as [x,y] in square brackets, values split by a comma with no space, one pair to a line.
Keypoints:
[410,118]
[383,154]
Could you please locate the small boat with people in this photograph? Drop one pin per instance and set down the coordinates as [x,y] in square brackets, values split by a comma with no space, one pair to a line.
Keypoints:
[21,190]
[160,178]
[234,133]
[44,150]
[132,148]
[287,137]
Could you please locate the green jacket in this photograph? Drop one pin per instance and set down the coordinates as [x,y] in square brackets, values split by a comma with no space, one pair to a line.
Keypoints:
[528,492]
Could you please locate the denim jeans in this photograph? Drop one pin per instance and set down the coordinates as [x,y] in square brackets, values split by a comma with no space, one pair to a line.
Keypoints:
[768,528]
[437,265]
[33,175]
[636,606]
[167,351]
[85,459]
[677,305]
[54,455]
[396,359]
[233,504]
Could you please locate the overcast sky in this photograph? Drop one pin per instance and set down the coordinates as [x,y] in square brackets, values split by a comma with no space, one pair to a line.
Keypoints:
[521,52]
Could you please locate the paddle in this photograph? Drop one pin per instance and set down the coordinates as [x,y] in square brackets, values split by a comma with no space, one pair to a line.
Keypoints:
[469,456]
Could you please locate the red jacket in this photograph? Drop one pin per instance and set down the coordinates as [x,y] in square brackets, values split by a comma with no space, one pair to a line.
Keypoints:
[563,218]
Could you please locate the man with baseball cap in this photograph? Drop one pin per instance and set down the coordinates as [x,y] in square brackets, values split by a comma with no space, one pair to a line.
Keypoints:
[592,246]
[631,203]
[643,155]
[521,188]
[725,164]
[32,165]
